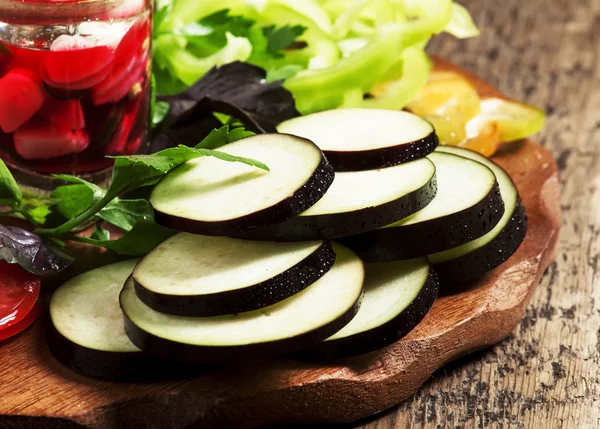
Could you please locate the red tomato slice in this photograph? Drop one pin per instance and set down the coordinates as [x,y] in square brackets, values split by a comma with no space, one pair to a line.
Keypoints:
[19,291]
[23,324]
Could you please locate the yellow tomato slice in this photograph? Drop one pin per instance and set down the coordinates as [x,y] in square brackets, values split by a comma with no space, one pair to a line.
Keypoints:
[514,120]
[449,101]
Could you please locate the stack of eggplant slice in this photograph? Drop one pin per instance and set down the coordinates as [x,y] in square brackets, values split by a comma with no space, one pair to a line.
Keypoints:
[340,249]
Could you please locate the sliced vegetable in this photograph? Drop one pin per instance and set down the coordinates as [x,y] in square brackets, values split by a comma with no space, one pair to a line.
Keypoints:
[448,101]
[357,72]
[23,324]
[396,92]
[484,138]
[41,139]
[451,103]
[461,24]
[397,297]
[86,330]
[467,205]
[298,322]
[75,58]
[22,96]
[475,258]
[65,114]
[195,275]
[514,120]
[339,50]
[358,202]
[121,80]
[75,89]
[19,291]
[190,68]
[365,139]
[215,198]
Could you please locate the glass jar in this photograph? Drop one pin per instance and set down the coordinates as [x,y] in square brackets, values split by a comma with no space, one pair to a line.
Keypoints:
[74,85]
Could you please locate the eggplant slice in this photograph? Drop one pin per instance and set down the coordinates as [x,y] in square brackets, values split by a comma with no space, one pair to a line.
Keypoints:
[197,275]
[359,201]
[475,258]
[211,197]
[365,139]
[86,330]
[467,206]
[298,322]
[397,297]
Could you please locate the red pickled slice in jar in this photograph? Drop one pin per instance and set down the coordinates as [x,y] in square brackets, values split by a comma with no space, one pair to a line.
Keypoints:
[86,83]
[66,114]
[133,146]
[19,291]
[119,73]
[130,56]
[121,136]
[41,139]
[73,58]
[21,96]
[31,59]
[131,42]
[115,88]
[23,324]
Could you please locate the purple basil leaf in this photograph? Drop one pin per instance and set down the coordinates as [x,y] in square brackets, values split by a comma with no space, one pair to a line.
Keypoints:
[237,89]
[189,134]
[18,246]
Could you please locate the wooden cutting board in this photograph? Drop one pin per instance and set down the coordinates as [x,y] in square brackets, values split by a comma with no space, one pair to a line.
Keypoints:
[37,392]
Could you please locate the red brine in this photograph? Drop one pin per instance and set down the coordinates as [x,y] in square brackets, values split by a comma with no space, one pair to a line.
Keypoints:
[71,97]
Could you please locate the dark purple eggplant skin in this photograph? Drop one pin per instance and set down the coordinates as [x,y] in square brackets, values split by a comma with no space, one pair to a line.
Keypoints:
[474,265]
[113,366]
[301,200]
[337,225]
[375,159]
[382,336]
[257,296]
[193,354]
[432,236]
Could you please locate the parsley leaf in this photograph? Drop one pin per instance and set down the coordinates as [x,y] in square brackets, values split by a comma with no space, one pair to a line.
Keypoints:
[183,54]
[136,171]
[280,38]
[209,35]
[140,240]
[126,213]
[10,194]
[221,136]
[72,200]
[100,234]
[159,112]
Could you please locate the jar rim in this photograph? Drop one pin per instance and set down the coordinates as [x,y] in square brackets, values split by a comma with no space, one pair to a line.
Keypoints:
[45,11]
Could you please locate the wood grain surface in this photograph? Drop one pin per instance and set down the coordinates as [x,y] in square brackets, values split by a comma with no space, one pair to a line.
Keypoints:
[545,375]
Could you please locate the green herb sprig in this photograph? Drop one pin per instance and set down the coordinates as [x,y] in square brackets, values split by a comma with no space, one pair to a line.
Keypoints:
[71,206]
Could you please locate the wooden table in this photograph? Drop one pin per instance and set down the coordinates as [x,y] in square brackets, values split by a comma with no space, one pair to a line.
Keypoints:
[545,375]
